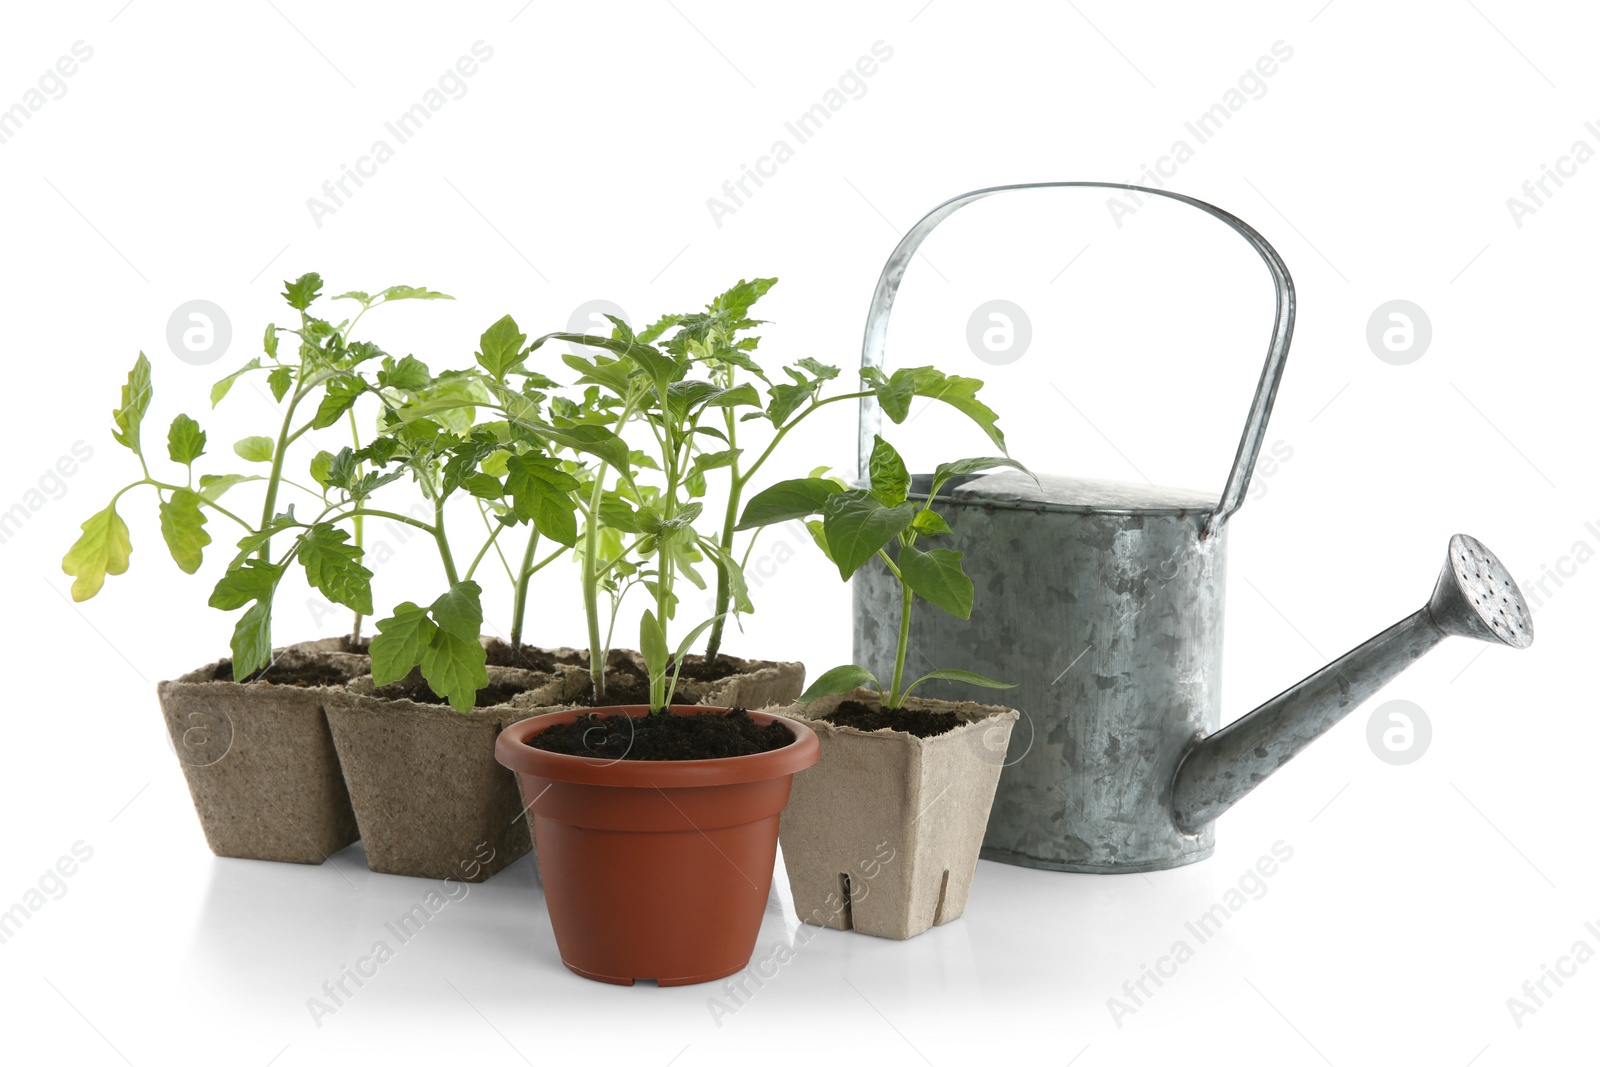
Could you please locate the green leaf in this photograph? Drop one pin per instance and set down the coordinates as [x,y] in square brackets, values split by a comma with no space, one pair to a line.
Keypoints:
[692,636]
[252,640]
[857,525]
[254,449]
[135,402]
[743,395]
[183,528]
[930,524]
[961,394]
[895,393]
[937,577]
[684,398]
[355,294]
[787,398]
[542,493]
[459,612]
[710,461]
[333,567]
[661,368]
[269,340]
[409,373]
[617,514]
[321,465]
[279,382]
[822,371]
[102,549]
[594,440]
[945,471]
[302,292]
[212,486]
[454,668]
[844,679]
[653,645]
[186,441]
[729,565]
[887,473]
[611,373]
[413,292]
[483,486]
[968,677]
[247,580]
[220,390]
[400,641]
[793,499]
[736,302]
[500,347]
[253,540]
[339,398]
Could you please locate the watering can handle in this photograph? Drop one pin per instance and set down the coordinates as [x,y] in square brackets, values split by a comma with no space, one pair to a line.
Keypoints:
[1255,426]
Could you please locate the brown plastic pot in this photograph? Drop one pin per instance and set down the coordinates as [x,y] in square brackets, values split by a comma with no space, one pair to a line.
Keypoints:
[655,868]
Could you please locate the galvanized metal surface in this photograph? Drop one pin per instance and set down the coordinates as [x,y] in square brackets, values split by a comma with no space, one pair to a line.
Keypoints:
[1255,428]
[1110,623]
[1104,603]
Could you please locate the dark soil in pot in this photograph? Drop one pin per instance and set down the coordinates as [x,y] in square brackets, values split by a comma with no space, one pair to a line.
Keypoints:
[306,673]
[531,658]
[415,688]
[913,721]
[664,736]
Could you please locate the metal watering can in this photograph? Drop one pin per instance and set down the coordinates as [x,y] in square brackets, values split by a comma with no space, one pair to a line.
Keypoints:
[1104,601]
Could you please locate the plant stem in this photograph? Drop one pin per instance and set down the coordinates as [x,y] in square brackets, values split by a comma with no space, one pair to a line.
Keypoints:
[443,543]
[356,521]
[895,698]
[519,604]
[591,585]
[725,542]
[494,535]
[271,502]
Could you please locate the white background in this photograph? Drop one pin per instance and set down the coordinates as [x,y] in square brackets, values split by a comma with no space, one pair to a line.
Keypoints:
[577,166]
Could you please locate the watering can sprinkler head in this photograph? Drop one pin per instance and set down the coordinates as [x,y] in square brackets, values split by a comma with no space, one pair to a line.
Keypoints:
[1475,597]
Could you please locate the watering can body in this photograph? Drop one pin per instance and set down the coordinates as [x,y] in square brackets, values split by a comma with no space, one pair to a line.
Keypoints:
[1103,603]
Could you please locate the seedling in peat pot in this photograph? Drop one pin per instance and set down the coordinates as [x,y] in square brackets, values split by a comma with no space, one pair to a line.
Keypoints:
[857,525]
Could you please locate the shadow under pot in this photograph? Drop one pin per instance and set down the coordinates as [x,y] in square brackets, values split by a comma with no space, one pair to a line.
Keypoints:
[258,756]
[882,836]
[655,868]
[730,683]
[428,795]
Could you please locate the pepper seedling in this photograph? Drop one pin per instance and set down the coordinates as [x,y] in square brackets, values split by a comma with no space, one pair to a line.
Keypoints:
[857,525]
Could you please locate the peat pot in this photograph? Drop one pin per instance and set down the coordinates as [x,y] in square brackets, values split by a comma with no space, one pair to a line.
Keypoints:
[882,836]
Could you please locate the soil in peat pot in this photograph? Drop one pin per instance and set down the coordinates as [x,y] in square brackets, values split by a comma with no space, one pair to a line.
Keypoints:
[859,716]
[501,654]
[625,682]
[305,674]
[413,688]
[664,736]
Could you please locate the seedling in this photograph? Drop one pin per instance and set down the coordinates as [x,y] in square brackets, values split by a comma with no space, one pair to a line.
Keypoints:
[857,525]
[322,367]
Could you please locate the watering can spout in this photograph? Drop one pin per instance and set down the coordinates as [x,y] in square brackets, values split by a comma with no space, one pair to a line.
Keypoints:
[1475,597]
